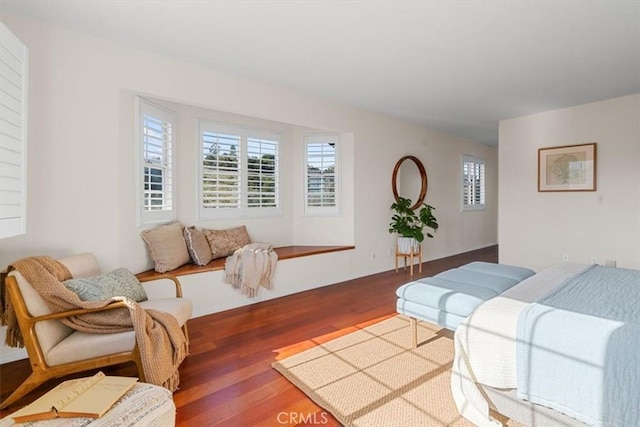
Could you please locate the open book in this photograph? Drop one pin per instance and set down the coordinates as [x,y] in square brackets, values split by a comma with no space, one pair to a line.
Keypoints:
[85,397]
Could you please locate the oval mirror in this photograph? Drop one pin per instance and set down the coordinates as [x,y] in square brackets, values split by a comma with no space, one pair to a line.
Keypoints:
[409,180]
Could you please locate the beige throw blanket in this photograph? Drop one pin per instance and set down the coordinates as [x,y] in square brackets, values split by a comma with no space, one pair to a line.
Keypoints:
[160,339]
[250,267]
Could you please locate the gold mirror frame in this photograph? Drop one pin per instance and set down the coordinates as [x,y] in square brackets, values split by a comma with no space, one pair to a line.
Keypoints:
[423,177]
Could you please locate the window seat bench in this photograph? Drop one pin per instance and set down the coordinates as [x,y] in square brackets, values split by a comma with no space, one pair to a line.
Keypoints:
[284,252]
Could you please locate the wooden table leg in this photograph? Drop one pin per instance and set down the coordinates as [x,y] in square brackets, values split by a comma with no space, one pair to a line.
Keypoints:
[396,258]
[414,331]
[411,260]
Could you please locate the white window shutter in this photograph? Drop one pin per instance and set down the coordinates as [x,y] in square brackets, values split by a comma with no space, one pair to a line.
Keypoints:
[13,134]
[239,171]
[221,170]
[473,183]
[262,173]
[157,171]
[321,174]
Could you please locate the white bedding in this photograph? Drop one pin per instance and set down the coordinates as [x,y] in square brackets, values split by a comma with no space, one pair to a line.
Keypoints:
[485,342]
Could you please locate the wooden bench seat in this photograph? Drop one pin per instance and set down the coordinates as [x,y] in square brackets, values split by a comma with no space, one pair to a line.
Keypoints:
[284,252]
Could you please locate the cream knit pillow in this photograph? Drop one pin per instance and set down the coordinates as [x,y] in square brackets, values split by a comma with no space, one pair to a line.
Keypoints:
[166,246]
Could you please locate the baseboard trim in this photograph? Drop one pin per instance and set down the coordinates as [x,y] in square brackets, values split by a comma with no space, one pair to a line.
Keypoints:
[12,355]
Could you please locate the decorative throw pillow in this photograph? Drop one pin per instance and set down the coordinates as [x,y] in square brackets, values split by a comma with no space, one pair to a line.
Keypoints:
[117,283]
[167,246]
[225,242]
[197,245]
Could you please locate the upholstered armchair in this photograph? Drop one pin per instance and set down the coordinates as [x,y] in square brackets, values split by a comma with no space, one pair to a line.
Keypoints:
[56,350]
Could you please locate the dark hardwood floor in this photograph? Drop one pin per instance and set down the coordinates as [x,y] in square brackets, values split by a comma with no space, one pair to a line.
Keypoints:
[227,380]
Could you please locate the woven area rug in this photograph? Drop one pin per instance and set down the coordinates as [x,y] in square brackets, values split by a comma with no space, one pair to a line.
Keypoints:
[373,376]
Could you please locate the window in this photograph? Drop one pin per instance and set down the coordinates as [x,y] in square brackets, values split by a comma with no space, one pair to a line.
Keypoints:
[261,173]
[321,174]
[239,171]
[220,170]
[473,188]
[156,169]
[13,134]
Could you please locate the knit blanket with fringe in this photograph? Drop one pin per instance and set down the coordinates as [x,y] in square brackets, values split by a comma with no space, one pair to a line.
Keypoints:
[160,340]
[250,267]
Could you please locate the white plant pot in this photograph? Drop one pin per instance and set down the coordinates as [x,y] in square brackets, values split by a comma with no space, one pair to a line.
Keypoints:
[407,245]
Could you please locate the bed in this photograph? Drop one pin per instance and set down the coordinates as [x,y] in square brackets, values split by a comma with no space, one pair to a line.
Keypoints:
[559,349]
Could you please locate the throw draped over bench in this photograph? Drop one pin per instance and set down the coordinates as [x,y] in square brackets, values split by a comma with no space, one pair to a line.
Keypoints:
[250,267]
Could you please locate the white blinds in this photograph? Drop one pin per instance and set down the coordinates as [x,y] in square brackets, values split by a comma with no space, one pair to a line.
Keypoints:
[321,172]
[13,134]
[157,162]
[239,171]
[262,173]
[473,183]
[221,171]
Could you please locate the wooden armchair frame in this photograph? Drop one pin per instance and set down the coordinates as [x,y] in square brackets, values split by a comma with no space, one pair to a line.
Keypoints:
[41,372]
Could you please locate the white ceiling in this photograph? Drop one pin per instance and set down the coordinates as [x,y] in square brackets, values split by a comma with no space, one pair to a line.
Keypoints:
[456,66]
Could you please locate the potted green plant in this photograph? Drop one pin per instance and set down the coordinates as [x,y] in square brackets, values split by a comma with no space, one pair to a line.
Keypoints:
[410,225]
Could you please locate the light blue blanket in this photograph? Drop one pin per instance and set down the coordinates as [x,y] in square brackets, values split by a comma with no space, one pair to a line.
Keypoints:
[578,348]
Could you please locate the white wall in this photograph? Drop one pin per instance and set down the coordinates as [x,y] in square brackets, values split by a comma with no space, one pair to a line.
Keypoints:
[81,164]
[537,229]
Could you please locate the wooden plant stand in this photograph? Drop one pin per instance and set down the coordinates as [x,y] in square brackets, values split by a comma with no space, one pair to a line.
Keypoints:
[410,255]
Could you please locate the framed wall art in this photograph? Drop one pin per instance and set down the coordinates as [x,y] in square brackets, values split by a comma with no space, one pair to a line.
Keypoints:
[567,168]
